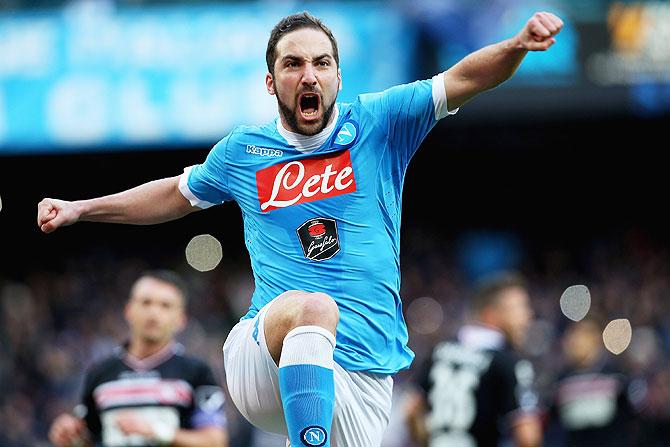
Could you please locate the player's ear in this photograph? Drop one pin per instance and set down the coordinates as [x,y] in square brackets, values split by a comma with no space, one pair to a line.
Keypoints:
[339,79]
[270,83]
[183,321]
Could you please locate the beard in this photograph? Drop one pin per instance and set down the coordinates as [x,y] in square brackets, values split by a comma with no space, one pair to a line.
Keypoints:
[291,119]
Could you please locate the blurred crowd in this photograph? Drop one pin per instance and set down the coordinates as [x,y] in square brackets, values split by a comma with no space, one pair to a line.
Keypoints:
[53,324]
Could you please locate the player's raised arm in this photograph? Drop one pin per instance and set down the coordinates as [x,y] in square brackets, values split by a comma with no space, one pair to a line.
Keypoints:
[154,202]
[492,65]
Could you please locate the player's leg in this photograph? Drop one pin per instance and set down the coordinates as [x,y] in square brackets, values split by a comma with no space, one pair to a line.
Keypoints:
[252,376]
[300,334]
[362,408]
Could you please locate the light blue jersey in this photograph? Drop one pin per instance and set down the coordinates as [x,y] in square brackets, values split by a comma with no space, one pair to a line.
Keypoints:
[329,220]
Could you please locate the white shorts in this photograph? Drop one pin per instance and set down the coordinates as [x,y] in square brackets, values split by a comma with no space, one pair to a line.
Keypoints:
[362,400]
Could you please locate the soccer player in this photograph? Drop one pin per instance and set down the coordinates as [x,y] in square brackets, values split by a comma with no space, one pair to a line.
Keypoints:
[478,391]
[148,393]
[591,396]
[320,192]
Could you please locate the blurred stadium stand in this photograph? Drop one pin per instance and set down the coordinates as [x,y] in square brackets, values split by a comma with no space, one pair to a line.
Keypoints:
[559,174]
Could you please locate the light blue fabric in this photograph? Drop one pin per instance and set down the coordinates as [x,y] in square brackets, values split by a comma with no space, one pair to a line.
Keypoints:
[308,396]
[379,133]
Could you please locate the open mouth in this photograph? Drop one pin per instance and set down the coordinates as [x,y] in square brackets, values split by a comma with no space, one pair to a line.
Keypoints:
[309,105]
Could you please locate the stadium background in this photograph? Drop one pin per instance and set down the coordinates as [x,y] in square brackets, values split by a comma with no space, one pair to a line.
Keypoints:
[558,174]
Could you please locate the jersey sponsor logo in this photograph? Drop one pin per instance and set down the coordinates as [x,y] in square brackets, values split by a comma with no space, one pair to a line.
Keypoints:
[264,151]
[319,239]
[307,180]
[347,134]
[126,392]
[313,436]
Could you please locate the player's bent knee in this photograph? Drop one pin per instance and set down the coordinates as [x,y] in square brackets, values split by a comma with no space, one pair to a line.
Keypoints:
[318,309]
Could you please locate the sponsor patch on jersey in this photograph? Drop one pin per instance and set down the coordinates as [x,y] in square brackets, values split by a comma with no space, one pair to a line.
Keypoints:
[305,180]
[319,238]
[314,436]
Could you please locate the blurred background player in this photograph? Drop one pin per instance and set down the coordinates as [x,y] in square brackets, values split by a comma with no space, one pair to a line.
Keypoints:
[591,401]
[320,190]
[478,390]
[149,392]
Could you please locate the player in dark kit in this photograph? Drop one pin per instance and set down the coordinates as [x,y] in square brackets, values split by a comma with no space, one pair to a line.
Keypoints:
[478,391]
[148,393]
[591,400]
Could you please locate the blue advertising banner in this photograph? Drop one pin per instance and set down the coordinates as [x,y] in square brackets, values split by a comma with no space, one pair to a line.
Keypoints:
[90,77]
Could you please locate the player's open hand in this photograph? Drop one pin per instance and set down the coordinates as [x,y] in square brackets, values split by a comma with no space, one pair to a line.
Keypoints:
[67,431]
[52,214]
[539,32]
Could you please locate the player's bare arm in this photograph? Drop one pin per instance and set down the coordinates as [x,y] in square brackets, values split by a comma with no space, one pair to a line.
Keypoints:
[154,202]
[527,431]
[415,418]
[492,65]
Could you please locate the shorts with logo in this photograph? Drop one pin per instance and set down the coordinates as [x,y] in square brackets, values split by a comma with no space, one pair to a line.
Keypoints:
[362,400]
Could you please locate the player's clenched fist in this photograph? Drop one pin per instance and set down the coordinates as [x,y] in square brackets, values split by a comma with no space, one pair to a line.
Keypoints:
[67,431]
[539,32]
[53,213]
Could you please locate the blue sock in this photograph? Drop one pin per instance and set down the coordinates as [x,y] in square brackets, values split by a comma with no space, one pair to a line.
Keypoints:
[307,386]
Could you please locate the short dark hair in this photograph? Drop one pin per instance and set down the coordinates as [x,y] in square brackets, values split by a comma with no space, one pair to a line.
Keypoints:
[489,289]
[170,277]
[291,23]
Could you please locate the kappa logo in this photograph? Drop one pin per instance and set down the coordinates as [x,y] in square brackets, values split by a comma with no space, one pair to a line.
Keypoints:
[347,134]
[314,436]
[264,151]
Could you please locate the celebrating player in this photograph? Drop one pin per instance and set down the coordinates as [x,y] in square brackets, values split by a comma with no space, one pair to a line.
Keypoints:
[320,192]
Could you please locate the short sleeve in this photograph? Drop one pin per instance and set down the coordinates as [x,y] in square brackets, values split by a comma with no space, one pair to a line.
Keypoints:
[206,184]
[408,112]
[208,401]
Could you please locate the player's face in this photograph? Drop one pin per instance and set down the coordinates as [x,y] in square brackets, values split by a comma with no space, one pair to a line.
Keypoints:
[515,314]
[155,311]
[306,80]
[581,342]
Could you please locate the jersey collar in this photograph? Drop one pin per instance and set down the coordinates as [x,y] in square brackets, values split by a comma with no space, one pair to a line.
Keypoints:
[304,143]
[153,360]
